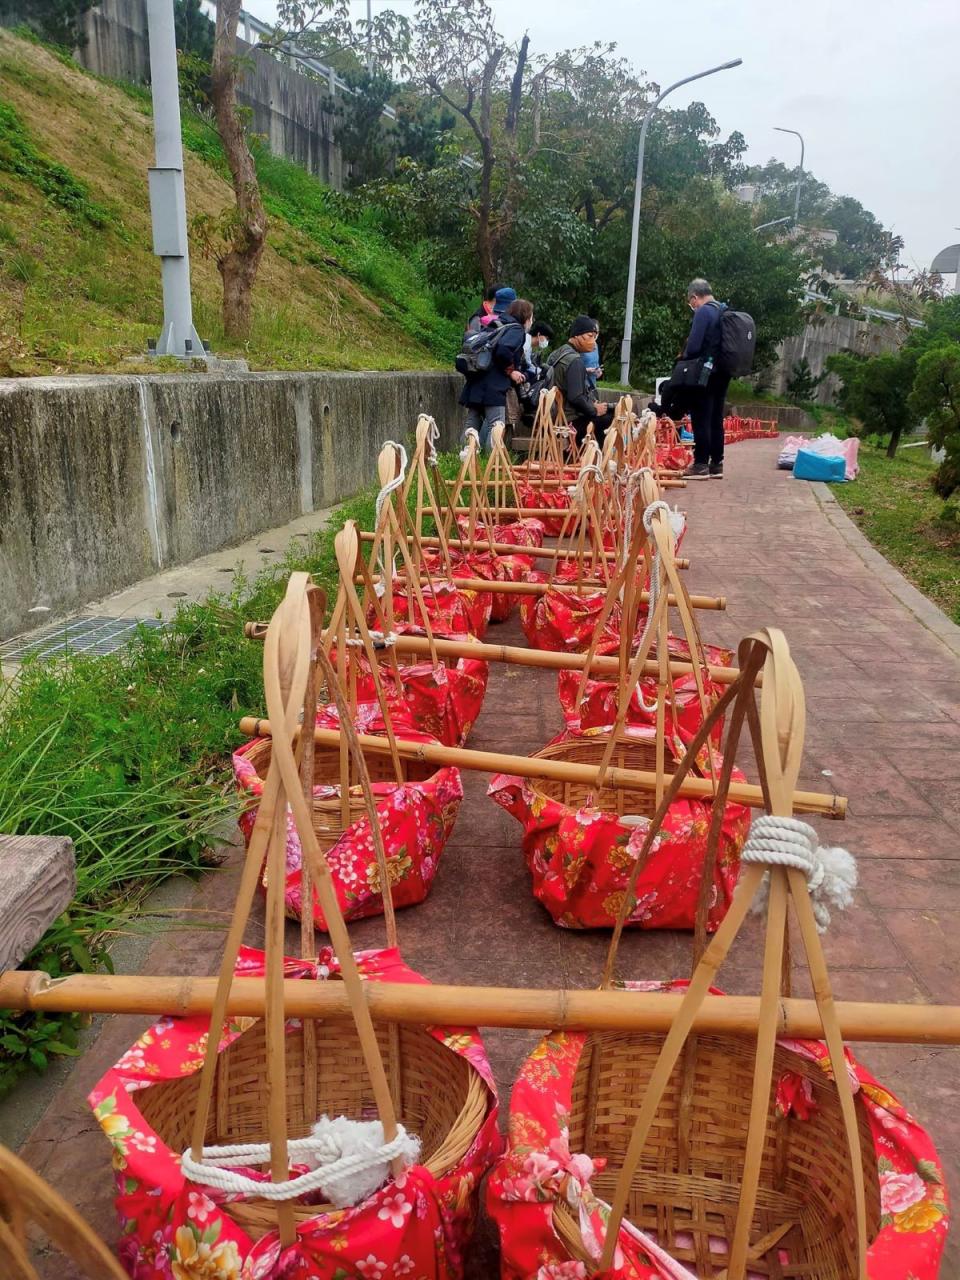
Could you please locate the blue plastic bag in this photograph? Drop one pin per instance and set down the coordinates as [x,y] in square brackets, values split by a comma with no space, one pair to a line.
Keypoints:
[819,466]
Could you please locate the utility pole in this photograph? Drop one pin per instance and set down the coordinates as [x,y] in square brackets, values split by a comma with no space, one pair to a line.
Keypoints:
[168,205]
[635,234]
[369,37]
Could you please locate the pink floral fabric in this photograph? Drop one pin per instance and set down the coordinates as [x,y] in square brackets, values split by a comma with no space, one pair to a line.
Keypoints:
[451,611]
[538,1169]
[416,1226]
[580,859]
[415,818]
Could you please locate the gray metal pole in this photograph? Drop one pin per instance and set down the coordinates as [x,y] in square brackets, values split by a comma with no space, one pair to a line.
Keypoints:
[168,207]
[796,202]
[635,232]
[369,37]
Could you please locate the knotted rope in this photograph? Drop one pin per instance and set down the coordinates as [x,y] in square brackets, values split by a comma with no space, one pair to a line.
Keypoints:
[381,639]
[473,434]
[433,435]
[648,515]
[787,842]
[578,491]
[348,1155]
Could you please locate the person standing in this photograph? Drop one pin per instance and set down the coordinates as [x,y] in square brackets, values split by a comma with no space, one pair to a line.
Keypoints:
[706,401]
[569,373]
[484,394]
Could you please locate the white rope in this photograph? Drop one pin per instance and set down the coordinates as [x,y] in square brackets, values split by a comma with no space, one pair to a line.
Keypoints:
[787,842]
[337,1169]
[433,435]
[473,434]
[381,640]
[578,491]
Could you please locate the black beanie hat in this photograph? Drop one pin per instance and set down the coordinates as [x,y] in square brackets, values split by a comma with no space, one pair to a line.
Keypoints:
[583,324]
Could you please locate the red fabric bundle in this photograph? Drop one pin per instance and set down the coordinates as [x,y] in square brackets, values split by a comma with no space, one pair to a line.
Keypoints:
[535,498]
[416,819]
[580,859]
[450,611]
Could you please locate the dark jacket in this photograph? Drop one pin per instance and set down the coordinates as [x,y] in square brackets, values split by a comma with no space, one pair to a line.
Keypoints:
[704,338]
[491,387]
[570,375]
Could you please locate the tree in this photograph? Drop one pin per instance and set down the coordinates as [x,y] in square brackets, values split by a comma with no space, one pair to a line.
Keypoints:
[240,235]
[194,30]
[936,398]
[802,385]
[59,21]
[876,390]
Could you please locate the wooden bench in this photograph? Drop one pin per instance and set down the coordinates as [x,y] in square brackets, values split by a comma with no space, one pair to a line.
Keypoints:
[38,881]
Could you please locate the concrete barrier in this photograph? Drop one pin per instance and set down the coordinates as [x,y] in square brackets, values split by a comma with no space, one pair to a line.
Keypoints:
[105,480]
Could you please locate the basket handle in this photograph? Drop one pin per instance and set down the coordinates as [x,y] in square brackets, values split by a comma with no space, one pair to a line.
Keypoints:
[498,472]
[780,743]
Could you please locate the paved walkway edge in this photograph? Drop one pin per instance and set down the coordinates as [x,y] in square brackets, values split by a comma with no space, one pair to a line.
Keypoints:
[924,610]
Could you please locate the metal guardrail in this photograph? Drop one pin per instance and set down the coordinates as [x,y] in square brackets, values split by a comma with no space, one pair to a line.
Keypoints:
[810,295]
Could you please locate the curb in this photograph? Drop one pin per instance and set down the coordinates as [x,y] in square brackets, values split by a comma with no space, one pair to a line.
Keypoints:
[924,610]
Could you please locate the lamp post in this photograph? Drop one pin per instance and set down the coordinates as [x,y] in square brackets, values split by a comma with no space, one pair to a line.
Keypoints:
[635,233]
[796,203]
[168,207]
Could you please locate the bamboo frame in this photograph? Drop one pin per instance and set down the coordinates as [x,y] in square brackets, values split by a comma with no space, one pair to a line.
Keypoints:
[540,588]
[828,806]
[507,548]
[520,1008]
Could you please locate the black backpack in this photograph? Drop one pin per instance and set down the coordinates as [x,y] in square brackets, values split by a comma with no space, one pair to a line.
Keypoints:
[476,350]
[738,341]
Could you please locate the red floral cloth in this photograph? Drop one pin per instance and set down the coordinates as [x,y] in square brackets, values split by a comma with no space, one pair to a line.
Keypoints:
[563,620]
[450,611]
[415,819]
[442,701]
[521,532]
[490,567]
[171,1229]
[538,1169]
[534,498]
[598,707]
[580,859]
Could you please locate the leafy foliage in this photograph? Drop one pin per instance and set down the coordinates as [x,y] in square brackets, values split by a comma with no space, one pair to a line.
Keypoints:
[936,397]
[802,385]
[20,155]
[194,30]
[876,390]
[58,21]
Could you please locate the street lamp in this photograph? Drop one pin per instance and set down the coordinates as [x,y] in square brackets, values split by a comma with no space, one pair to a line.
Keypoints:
[635,233]
[796,203]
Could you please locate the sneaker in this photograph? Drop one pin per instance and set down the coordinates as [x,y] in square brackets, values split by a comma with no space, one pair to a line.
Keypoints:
[699,471]
[716,470]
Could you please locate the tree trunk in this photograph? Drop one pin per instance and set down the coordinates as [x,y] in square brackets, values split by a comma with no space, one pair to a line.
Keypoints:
[238,264]
[894,441]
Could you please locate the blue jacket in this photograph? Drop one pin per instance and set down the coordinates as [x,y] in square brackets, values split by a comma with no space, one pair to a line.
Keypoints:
[491,387]
[704,338]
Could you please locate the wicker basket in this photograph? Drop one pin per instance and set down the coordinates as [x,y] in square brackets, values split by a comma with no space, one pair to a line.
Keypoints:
[438,1095]
[628,753]
[328,815]
[805,1175]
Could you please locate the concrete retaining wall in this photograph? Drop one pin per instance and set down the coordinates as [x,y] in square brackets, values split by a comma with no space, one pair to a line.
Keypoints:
[106,480]
[824,337]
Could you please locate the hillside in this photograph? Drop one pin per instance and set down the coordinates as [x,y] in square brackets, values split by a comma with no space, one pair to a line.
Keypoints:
[80,287]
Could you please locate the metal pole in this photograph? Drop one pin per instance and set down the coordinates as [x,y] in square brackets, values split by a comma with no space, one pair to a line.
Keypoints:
[635,232]
[796,203]
[168,207]
[369,37]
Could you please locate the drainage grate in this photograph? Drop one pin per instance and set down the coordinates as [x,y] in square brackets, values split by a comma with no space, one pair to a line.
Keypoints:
[83,634]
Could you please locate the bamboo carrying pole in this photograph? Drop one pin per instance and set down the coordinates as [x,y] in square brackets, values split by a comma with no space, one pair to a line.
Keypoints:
[482,543]
[440,1005]
[540,588]
[545,659]
[559,770]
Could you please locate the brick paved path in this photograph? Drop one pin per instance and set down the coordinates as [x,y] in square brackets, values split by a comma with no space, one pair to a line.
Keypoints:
[883,698]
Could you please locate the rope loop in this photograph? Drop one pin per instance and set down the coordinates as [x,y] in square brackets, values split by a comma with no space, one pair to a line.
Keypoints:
[338,1174]
[831,873]
[433,435]
[471,433]
[381,640]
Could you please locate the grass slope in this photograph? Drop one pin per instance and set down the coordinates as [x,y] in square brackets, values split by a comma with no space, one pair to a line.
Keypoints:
[80,287]
[893,504]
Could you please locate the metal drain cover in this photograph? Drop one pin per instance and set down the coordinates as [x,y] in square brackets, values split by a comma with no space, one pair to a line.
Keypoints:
[82,634]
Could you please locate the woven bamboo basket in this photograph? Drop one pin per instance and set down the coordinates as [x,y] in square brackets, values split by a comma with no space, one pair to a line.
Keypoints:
[707,1158]
[626,753]
[272,1082]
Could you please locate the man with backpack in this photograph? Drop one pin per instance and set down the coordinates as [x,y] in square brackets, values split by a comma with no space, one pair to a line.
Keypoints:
[491,362]
[719,347]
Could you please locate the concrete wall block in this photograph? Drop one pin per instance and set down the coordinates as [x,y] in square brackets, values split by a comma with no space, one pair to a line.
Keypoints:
[38,880]
[106,479]
[72,516]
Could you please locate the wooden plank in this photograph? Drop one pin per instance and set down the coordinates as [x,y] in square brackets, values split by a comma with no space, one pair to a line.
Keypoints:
[38,881]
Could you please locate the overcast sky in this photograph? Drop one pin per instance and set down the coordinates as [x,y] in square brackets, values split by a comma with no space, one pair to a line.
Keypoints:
[871,84]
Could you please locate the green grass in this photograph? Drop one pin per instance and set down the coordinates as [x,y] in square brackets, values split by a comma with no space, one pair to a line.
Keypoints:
[129,756]
[80,287]
[893,503]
